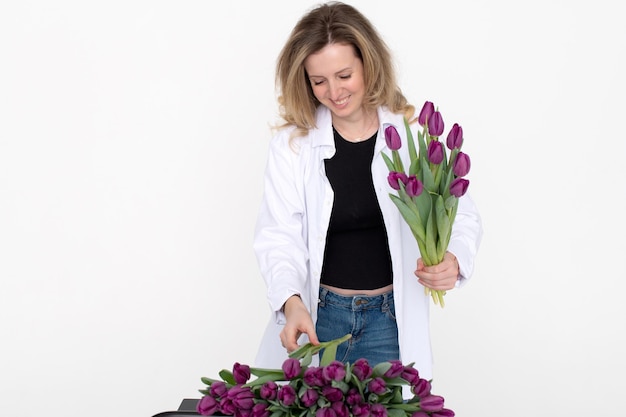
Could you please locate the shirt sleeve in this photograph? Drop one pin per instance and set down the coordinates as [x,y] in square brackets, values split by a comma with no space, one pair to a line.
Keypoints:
[280,233]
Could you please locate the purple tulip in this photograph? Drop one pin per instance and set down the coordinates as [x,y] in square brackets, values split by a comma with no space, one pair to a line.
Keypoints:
[291,368]
[218,389]
[394,177]
[309,397]
[420,414]
[361,369]
[435,152]
[332,394]
[458,187]
[227,407]
[269,390]
[395,370]
[444,412]
[427,110]
[340,409]
[435,124]
[207,406]
[378,410]
[354,397]
[410,375]
[421,388]
[361,410]
[287,395]
[313,377]
[392,138]
[244,400]
[431,403]
[241,373]
[240,412]
[377,385]
[325,412]
[462,164]
[455,137]
[260,410]
[335,371]
[414,187]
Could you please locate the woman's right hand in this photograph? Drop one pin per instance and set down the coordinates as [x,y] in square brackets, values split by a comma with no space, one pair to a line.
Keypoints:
[298,322]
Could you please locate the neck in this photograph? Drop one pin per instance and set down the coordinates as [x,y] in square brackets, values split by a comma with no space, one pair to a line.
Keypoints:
[358,130]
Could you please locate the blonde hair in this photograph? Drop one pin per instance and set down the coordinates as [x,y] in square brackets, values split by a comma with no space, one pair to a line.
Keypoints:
[334,22]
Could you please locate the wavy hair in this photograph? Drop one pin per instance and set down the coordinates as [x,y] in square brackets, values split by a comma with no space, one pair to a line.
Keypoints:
[334,22]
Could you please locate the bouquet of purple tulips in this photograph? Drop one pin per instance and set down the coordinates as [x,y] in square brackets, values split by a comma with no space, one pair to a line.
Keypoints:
[332,389]
[428,193]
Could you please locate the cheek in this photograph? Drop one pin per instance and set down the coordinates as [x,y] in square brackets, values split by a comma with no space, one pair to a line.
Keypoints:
[319,91]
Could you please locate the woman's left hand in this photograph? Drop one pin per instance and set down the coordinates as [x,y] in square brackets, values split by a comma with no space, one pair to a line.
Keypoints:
[442,276]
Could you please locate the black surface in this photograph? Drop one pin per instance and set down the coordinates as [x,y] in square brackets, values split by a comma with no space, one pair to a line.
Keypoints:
[186,408]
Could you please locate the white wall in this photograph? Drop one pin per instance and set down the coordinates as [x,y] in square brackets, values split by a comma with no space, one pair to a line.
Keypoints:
[132,143]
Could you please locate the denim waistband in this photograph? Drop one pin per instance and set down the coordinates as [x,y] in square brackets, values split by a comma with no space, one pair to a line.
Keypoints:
[355,302]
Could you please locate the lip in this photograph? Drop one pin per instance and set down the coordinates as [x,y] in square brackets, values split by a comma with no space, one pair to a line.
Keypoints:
[341,103]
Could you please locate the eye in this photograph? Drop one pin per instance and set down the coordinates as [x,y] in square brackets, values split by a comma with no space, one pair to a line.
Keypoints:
[318,82]
[345,77]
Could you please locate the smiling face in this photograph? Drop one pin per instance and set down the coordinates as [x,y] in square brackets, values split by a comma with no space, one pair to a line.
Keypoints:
[336,76]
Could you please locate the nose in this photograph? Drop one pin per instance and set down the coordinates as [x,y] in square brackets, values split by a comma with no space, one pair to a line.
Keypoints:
[334,89]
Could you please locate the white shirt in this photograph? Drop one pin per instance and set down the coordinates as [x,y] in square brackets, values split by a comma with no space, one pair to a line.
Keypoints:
[291,234]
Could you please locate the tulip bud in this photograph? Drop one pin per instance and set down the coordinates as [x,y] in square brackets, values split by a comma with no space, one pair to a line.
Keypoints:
[458,187]
[260,410]
[427,110]
[287,395]
[361,369]
[461,164]
[455,137]
[241,373]
[414,187]
[394,179]
[309,397]
[378,410]
[269,390]
[207,406]
[335,371]
[421,388]
[435,124]
[377,386]
[392,138]
[444,412]
[435,152]
[431,403]
[291,367]
[395,370]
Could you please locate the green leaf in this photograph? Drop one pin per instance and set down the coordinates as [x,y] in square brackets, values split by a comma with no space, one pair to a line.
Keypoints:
[227,377]
[409,217]
[410,142]
[302,351]
[421,140]
[395,412]
[397,161]
[265,378]
[451,202]
[388,162]
[329,355]
[265,371]
[427,176]
[207,381]
[431,238]
[380,368]
[443,227]
[308,358]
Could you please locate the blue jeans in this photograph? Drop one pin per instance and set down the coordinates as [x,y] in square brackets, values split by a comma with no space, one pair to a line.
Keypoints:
[369,319]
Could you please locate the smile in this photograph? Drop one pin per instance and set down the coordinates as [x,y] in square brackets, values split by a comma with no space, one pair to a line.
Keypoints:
[342,101]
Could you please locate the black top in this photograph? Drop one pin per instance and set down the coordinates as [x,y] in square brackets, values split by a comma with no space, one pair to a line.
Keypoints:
[357,252]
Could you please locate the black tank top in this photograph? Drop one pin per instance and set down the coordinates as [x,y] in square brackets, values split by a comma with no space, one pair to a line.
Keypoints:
[357,252]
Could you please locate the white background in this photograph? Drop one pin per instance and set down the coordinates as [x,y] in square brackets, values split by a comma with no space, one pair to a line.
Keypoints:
[133,137]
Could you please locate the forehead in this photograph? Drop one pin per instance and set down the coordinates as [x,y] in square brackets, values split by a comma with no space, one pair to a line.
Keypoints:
[333,58]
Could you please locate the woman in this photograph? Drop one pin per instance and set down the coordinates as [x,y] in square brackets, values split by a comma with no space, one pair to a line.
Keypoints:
[333,249]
